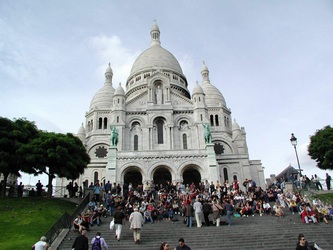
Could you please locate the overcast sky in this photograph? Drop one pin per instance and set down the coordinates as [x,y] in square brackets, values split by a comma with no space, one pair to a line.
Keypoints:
[271,60]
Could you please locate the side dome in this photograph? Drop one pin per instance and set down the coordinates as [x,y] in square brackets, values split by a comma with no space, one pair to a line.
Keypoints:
[103,97]
[197,89]
[119,90]
[213,95]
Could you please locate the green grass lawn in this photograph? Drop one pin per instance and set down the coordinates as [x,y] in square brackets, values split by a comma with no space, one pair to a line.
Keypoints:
[25,220]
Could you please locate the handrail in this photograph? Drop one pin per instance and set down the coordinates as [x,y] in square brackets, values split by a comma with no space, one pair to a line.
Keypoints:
[66,220]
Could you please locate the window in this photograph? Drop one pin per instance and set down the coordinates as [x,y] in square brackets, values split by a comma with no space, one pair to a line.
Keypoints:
[211,120]
[95,177]
[117,119]
[100,123]
[201,117]
[105,123]
[225,174]
[159,125]
[216,120]
[136,142]
[184,141]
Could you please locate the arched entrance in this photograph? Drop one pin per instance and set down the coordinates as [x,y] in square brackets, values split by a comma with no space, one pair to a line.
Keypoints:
[133,176]
[162,175]
[191,175]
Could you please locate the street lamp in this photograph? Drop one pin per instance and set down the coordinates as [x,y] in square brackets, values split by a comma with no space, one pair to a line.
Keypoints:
[293,141]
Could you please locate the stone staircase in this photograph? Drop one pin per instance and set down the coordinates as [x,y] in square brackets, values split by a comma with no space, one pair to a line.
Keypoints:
[266,232]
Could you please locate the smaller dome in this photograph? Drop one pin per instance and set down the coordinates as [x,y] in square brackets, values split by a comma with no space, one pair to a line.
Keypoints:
[109,70]
[235,125]
[82,130]
[103,97]
[214,96]
[197,89]
[119,90]
[204,67]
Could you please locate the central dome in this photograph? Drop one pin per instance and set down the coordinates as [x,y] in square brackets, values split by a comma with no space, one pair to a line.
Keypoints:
[156,57]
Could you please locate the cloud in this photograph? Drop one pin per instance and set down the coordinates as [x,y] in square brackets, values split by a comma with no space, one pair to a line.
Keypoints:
[111,49]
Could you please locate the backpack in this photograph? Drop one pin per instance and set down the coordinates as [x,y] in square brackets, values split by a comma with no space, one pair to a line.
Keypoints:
[97,244]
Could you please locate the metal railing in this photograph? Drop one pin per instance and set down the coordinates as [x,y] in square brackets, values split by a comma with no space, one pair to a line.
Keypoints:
[66,220]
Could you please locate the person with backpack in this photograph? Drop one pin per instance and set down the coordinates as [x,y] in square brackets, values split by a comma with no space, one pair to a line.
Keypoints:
[98,242]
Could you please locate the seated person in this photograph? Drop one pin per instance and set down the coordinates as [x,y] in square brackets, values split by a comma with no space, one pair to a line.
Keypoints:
[92,204]
[80,223]
[247,210]
[307,215]
[259,207]
[102,211]
[95,217]
[266,207]
[318,215]
[147,216]
[278,211]
[293,206]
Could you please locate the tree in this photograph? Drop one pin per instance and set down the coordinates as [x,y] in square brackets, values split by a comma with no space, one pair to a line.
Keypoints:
[321,148]
[13,134]
[55,154]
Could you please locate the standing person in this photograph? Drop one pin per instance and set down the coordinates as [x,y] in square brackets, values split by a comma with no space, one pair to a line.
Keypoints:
[229,209]
[189,213]
[20,190]
[206,211]
[302,243]
[81,242]
[197,206]
[97,191]
[181,245]
[164,246]
[216,207]
[41,244]
[328,181]
[39,187]
[136,221]
[98,242]
[119,221]
[317,182]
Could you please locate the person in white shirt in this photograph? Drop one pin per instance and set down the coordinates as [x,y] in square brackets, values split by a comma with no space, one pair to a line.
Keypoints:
[197,206]
[41,244]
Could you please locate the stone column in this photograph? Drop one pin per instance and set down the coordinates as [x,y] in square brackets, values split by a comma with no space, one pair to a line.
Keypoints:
[211,162]
[110,171]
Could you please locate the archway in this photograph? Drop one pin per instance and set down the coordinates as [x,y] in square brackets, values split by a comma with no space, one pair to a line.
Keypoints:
[133,176]
[162,175]
[191,175]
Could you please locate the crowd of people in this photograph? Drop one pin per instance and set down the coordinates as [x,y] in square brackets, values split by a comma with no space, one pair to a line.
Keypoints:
[206,202]
[174,200]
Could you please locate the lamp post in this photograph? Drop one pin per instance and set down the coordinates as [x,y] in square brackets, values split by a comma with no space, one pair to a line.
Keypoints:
[293,141]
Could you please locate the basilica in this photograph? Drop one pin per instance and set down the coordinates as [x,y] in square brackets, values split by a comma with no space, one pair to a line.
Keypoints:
[155,129]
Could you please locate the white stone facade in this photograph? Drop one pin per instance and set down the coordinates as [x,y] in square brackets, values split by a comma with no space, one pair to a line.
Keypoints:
[160,127]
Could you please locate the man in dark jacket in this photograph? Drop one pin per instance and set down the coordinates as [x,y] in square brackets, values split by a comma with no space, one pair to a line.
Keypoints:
[189,211]
[207,208]
[81,242]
